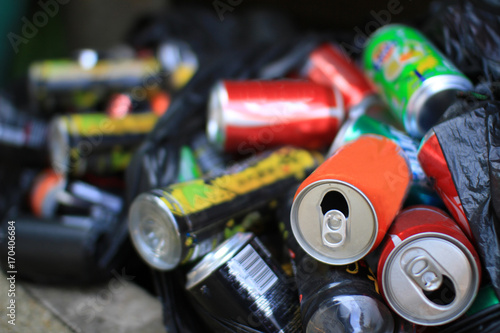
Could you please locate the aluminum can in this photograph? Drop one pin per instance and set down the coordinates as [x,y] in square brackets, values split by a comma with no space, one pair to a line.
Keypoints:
[334,298]
[62,85]
[434,164]
[416,80]
[421,189]
[53,194]
[82,143]
[329,66]
[184,221]
[240,283]
[428,270]
[342,211]
[249,116]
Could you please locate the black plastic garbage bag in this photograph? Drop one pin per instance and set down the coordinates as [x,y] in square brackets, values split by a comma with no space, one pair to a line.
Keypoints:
[471,146]
[469,34]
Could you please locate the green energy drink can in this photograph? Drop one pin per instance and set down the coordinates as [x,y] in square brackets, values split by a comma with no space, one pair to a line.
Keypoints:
[416,80]
[95,142]
[184,221]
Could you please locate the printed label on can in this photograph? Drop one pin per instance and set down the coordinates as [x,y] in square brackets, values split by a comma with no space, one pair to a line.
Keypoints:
[399,59]
[252,271]
[197,195]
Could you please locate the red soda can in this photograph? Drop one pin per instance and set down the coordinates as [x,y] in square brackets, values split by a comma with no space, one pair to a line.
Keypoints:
[329,66]
[431,157]
[249,116]
[344,208]
[428,270]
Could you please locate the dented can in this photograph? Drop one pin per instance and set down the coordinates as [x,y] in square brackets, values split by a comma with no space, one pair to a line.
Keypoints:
[434,164]
[184,221]
[342,211]
[329,66]
[240,285]
[248,116]
[428,270]
[96,143]
[416,80]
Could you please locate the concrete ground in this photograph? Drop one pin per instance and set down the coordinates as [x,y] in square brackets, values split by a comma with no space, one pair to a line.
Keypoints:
[31,315]
[117,306]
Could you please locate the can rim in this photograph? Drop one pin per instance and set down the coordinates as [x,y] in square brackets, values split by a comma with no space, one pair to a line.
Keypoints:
[391,257]
[310,249]
[218,257]
[431,86]
[216,132]
[173,257]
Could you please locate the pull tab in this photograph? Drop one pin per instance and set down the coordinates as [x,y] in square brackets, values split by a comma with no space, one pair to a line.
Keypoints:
[334,228]
[425,272]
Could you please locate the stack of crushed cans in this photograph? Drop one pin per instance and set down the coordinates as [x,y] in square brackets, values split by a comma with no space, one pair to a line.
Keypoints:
[326,201]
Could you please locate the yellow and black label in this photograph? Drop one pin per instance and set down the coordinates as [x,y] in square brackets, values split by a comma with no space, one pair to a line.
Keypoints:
[198,195]
[99,124]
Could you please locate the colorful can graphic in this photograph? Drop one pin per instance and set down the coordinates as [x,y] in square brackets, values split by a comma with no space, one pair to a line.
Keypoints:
[434,165]
[65,84]
[428,270]
[240,285]
[329,66]
[342,211]
[186,220]
[413,76]
[421,189]
[248,116]
[96,143]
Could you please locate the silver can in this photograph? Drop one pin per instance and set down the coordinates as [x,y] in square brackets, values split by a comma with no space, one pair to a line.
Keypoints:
[428,270]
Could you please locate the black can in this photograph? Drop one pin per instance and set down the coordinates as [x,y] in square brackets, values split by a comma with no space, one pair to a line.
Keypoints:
[239,284]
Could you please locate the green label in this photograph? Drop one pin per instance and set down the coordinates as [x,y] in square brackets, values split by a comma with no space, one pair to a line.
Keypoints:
[399,59]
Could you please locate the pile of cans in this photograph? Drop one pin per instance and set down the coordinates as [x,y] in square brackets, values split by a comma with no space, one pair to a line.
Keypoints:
[319,202]
[377,203]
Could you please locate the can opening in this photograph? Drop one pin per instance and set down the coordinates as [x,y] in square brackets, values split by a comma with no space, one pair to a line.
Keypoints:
[335,200]
[444,295]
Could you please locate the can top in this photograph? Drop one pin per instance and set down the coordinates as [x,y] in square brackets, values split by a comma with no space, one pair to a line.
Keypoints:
[431,100]
[154,231]
[58,140]
[215,122]
[218,257]
[334,222]
[430,279]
